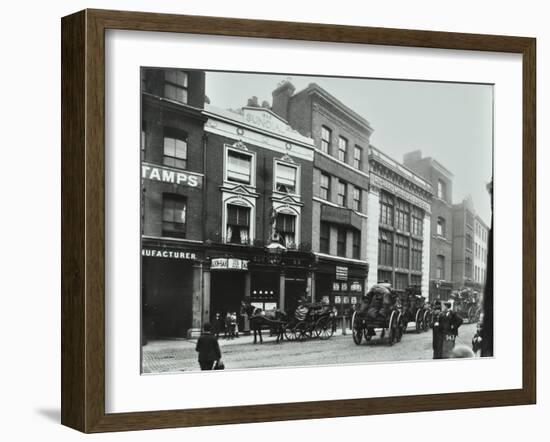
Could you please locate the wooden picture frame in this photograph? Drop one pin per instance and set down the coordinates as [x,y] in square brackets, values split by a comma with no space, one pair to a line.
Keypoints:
[83,219]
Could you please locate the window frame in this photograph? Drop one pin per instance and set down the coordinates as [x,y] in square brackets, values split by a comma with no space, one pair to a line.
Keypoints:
[169,233]
[324,226]
[328,188]
[345,150]
[358,161]
[344,185]
[296,167]
[227,149]
[339,231]
[176,85]
[172,133]
[324,141]
[357,202]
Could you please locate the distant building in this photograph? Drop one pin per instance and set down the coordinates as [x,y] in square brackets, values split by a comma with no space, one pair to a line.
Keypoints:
[441,256]
[463,244]
[481,239]
[399,224]
[340,189]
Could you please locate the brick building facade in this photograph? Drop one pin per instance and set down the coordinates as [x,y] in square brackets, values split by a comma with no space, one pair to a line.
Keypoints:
[340,188]
[399,224]
[441,242]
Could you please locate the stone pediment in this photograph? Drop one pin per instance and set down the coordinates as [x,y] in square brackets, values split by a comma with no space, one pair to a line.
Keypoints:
[286,199]
[239,189]
[267,120]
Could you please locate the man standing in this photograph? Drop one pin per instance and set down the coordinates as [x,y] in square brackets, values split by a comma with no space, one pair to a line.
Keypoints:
[449,322]
[208,348]
[437,338]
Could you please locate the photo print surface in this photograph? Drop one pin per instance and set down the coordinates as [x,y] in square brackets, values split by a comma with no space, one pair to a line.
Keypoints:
[294,221]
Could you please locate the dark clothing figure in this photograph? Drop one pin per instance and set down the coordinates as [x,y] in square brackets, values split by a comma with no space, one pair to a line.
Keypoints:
[437,337]
[447,325]
[218,325]
[477,340]
[209,350]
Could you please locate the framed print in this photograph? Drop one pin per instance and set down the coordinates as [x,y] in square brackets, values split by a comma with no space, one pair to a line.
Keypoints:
[267,221]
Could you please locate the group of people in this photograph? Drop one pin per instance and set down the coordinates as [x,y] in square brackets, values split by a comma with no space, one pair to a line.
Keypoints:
[445,331]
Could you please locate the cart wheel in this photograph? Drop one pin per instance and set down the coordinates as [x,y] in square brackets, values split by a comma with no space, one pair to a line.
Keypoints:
[426,320]
[356,329]
[399,330]
[392,328]
[418,321]
[290,333]
[302,331]
[325,328]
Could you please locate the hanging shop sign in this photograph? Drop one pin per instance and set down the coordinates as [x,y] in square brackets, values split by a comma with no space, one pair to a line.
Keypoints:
[341,273]
[167,175]
[163,253]
[229,264]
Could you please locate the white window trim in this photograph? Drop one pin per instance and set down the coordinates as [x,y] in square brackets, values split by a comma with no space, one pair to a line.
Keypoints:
[238,201]
[287,210]
[298,176]
[228,148]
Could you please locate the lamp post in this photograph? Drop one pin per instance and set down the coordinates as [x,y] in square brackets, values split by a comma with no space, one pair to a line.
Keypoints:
[275,251]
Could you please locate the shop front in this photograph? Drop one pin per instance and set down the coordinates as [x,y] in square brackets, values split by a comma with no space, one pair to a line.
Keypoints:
[170,289]
[340,284]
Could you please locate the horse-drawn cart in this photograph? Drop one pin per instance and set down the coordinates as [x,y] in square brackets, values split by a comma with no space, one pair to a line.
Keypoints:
[415,309]
[311,320]
[379,309]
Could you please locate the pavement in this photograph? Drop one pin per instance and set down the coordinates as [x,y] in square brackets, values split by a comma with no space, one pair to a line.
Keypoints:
[172,356]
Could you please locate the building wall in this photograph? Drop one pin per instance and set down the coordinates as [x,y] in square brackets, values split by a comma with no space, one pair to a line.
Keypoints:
[373,209]
[264,187]
[426,257]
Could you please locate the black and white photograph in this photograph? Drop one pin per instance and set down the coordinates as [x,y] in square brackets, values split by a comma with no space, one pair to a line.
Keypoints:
[295,221]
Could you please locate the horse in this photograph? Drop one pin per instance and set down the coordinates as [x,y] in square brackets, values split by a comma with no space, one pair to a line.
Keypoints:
[272,319]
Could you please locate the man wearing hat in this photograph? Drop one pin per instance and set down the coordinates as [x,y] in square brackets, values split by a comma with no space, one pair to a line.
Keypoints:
[449,322]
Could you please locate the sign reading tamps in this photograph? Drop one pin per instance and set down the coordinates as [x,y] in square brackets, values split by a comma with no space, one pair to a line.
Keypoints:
[167,175]
[229,264]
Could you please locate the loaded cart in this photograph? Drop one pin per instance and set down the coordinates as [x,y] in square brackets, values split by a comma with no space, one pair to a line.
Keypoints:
[379,309]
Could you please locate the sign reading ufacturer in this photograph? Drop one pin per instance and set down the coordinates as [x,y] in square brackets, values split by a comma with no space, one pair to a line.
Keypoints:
[174,254]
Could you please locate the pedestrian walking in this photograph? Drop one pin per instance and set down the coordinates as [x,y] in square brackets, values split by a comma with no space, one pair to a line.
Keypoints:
[208,348]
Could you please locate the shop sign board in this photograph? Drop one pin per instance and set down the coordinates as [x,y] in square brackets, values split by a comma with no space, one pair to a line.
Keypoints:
[164,253]
[167,175]
[229,264]
[341,273]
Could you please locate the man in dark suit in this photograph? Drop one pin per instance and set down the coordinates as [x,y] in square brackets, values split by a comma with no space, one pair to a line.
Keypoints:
[437,337]
[449,322]
[208,348]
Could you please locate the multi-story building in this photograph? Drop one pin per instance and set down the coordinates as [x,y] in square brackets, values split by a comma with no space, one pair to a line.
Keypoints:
[258,211]
[463,244]
[172,205]
[441,241]
[481,239]
[226,207]
[340,187]
[399,224]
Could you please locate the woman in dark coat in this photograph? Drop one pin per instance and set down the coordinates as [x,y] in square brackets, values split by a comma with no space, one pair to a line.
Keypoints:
[208,348]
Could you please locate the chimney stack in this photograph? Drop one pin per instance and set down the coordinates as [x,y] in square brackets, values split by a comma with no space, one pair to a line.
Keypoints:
[281,97]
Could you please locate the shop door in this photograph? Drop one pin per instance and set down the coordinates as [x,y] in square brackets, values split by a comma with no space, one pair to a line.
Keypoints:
[227,291]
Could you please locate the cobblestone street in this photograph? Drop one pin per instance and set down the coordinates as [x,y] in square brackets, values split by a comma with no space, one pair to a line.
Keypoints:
[176,356]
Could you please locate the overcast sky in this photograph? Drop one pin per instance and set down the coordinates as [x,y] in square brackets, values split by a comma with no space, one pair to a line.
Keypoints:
[451,122]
